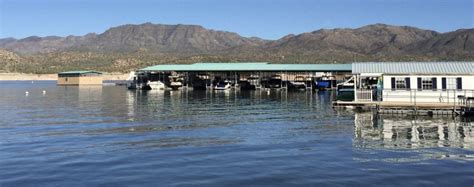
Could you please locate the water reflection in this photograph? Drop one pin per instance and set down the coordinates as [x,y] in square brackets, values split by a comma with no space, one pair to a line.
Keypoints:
[380,131]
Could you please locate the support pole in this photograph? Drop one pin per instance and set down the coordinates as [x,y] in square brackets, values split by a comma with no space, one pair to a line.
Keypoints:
[355,88]
[281,80]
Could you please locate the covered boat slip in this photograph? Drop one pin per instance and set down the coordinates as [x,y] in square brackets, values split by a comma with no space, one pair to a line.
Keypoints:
[255,73]
[408,86]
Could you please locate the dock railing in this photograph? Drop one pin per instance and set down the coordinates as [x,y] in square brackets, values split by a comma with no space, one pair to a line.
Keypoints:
[451,96]
[440,101]
[365,95]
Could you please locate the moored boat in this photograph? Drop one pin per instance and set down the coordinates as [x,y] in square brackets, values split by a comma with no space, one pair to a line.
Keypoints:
[250,83]
[324,83]
[274,82]
[299,83]
[137,81]
[345,90]
[201,81]
[156,85]
[223,85]
[175,82]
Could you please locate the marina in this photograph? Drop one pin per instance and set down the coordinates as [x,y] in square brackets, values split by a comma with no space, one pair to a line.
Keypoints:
[426,88]
[237,93]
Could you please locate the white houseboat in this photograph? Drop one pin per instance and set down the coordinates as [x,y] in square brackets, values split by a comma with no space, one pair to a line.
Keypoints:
[435,82]
[434,85]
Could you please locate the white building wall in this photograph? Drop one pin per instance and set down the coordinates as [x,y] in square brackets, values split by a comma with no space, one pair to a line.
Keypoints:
[438,95]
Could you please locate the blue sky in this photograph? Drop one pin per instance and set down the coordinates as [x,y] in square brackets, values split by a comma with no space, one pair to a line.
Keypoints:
[269,19]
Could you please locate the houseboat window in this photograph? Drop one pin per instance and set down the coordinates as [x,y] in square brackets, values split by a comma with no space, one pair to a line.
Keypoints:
[400,83]
[427,83]
[451,83]
[459,83]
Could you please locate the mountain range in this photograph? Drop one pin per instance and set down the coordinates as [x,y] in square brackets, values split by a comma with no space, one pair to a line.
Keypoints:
[130,46]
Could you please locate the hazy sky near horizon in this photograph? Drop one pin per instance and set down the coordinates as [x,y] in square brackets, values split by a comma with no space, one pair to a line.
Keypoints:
[269,19]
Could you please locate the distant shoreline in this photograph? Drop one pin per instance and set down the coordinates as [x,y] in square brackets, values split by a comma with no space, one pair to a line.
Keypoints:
[33,77]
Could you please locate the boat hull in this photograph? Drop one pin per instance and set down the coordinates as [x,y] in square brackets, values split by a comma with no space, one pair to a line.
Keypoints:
[297,86]
[156,85]
[200,84]
[134,86]
[345,95]
[246,85]
[222,87]
[323,84]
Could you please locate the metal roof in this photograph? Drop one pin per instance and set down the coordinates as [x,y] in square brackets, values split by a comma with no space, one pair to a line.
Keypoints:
[250,66]
[413,67]
[78,72]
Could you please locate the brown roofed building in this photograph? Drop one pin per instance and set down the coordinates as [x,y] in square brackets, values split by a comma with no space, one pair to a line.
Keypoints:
[76,78]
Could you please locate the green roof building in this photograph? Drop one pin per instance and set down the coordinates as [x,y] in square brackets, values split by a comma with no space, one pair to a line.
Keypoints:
[250,67]
[79,78]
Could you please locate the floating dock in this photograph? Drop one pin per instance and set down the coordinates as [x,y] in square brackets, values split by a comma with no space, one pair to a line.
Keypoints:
[410,87]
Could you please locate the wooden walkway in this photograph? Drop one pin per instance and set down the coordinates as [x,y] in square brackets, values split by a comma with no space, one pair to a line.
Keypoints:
[399,104]
[421,108]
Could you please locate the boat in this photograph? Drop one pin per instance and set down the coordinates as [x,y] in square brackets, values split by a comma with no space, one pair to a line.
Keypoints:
[175,85]
[299,83]
[345,90]
[131,81]
[324,83]
[137,81]
[274,82]
[223,85]
[250,83]
[138,86]
[201,81]
[175,82]
[156,85]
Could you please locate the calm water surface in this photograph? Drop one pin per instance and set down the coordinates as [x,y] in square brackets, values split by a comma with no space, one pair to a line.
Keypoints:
[111,136]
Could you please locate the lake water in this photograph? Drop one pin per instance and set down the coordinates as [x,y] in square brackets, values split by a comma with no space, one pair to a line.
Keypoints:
[92,136]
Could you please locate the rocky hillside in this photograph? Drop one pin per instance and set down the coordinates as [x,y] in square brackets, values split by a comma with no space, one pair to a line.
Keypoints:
[128,47]
[8,61]
[156,38]
[378,42]
[451,44]
[370,40]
